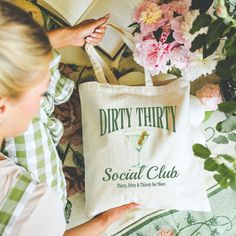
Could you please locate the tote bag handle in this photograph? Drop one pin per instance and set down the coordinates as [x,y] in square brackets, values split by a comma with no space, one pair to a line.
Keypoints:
[102,71]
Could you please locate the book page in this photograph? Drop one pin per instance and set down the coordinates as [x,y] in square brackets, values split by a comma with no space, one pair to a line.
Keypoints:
[121,13]
[71,10]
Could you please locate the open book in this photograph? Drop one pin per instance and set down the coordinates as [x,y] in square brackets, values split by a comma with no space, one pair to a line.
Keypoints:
[71,12]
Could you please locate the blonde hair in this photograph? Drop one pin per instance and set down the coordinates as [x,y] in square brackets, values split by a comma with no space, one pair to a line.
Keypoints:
[24,49]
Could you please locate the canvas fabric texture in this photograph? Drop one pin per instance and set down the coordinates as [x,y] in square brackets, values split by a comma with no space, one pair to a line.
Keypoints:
[137,145]
[137,148]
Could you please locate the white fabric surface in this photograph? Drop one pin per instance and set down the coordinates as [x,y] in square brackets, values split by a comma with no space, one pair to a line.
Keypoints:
[169,148]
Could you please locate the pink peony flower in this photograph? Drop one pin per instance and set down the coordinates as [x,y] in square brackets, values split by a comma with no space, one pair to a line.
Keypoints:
[182,25]
[198,65]
[148,14]
[180,57]
[176,26]
[168,12]
[153,55]
[192,64]
[210,96]
[181,7]
[161,56]
[165,232]
[176,6]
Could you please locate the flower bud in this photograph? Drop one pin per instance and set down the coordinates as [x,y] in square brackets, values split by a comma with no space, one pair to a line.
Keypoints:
[221,11]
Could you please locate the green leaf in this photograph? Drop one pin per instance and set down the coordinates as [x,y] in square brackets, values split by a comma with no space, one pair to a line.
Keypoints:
[224,182]
[201,151]
[210,164]
[227,157]
[221,140]
[232,137]
[218,177]
[61,153]
[222,68]
[198,42]
[175,71]
[214,221]
[232,183]
[225,170]
[78,160]
[170,38]
[133,24]
[218,126]
[176,14]
[158,33]
[207,115]
[228,107]
[208,51]
[202,20]
[231,52]
[227,31]
[67,212]
[190,219]
[230,42]
[215,31]
[233,67]
[228,125]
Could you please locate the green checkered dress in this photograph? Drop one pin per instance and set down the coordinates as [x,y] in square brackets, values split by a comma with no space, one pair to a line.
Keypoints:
[35,150]
[14,202]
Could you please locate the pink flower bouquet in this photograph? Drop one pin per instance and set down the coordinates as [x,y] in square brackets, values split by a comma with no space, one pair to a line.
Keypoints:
[164,40]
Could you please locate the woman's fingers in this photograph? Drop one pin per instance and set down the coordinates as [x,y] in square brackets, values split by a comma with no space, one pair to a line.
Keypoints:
[115,213]
[101,29]
[101,21]
[92,41]
[97,35]
[94,38]
[127,207]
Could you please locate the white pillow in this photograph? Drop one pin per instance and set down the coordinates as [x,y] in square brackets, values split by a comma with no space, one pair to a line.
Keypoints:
[137,148]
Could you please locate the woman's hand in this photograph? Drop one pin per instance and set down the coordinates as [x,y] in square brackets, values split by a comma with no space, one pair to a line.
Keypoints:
[114,214]
[100,223]
[90,31]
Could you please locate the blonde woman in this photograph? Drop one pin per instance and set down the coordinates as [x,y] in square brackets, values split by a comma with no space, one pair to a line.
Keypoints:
[35,149]
[29,205]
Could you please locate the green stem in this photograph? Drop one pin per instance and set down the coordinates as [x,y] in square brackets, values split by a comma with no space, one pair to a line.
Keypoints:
[138,158]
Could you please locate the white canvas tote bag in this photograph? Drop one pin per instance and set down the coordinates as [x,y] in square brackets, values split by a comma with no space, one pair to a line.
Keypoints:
[137,145]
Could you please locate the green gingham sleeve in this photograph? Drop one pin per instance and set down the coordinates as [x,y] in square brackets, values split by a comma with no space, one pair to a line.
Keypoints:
[59,91]
[22,199]
[60,87]
[12,206]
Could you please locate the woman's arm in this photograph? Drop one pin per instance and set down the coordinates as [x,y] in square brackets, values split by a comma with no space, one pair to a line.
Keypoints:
[90,31]
[100,223]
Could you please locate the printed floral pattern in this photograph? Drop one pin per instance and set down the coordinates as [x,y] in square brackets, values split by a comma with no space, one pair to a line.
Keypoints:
[70,115]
